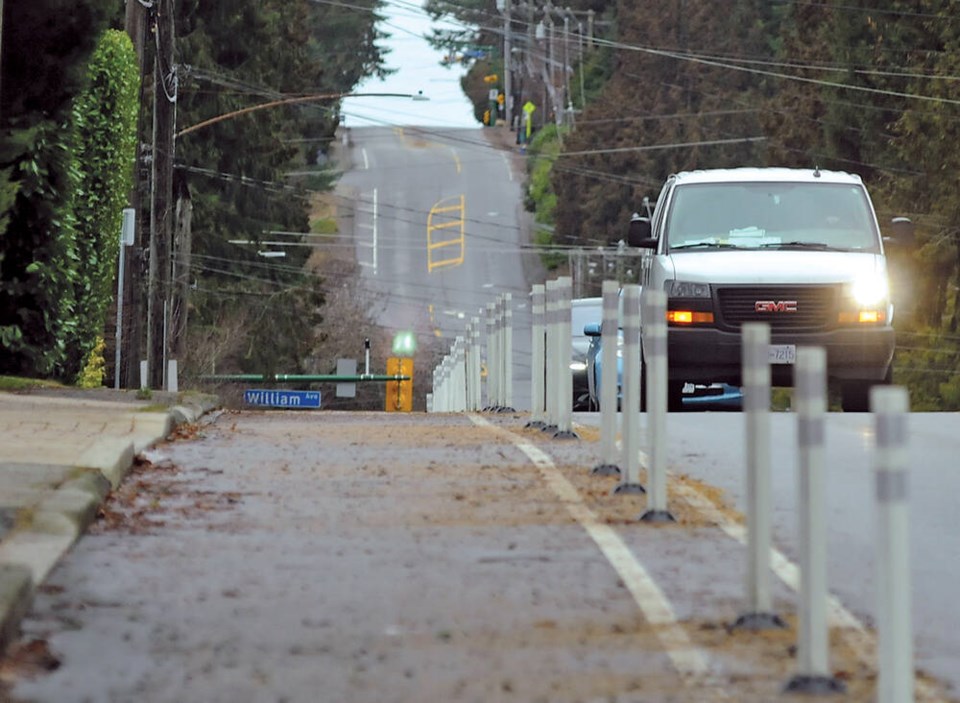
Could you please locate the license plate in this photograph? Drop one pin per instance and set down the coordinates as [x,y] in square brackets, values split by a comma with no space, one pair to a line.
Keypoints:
[783,353]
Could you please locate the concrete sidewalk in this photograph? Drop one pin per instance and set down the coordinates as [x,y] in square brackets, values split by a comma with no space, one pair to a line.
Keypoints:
[61,452]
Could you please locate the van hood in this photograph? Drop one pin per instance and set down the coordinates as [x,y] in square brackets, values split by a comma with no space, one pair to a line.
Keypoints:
[729,266]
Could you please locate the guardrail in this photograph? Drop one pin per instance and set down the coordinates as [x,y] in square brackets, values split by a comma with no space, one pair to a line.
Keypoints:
[457,387]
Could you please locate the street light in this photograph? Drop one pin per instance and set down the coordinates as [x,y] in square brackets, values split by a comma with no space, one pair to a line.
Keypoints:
[419,96]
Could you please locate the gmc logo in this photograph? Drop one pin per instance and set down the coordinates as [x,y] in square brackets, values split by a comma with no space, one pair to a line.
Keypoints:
[775,306]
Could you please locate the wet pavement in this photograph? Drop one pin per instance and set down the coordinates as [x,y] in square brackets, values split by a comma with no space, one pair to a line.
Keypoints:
[368,557]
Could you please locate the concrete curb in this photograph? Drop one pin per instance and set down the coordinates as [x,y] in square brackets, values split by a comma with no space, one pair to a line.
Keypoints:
[30,552]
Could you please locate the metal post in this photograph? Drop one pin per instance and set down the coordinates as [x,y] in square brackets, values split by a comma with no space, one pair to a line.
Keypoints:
[630,463]
[537,353]
[655,386]
[813,671]
[366,357]
[564,347]
[609,465]
[127,233]
[890,405]
[756,401]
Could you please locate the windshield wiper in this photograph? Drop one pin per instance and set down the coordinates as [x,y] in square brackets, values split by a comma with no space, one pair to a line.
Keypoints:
[819,246]
[704,245]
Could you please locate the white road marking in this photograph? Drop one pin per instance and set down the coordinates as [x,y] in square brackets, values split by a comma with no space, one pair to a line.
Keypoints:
[366,162]
[691,662]
[506,161]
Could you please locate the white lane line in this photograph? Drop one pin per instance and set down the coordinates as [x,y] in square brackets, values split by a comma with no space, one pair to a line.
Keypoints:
[366,161]
[690,661]
[855,633]
[506,161]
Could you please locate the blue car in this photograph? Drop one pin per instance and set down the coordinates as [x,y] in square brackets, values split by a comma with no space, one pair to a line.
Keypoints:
[715,396]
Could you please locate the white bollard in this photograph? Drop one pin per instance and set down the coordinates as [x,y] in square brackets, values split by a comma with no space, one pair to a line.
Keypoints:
[630,462]
[813,675]
[506,353]
[537,356]
[459,355]
[144,375]
[173,381]
[654,318]
[476,364]
[756,402]
[492,349]
[610,323]
[895,684]
[564,348]
[552,380]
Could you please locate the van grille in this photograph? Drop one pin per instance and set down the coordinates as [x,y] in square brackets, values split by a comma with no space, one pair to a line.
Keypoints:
[816,306]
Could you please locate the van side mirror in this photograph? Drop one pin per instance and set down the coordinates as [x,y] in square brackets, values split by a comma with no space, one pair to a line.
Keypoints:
[591,329]
[638,235]
[902,233]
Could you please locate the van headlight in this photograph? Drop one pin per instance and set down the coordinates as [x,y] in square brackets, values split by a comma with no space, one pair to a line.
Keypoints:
[870,291]
[868,302]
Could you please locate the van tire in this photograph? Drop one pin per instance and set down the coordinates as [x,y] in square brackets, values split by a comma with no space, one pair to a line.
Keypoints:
[674,396]
[855,395]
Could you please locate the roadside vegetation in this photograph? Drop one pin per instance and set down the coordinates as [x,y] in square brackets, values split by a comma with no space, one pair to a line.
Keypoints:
[74,110]
[866,87]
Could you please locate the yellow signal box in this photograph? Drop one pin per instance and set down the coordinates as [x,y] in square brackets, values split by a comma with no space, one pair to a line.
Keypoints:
[399,393]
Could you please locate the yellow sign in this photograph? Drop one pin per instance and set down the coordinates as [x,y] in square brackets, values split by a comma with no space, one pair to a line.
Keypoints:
[399,393]
[500,99]
[492,78]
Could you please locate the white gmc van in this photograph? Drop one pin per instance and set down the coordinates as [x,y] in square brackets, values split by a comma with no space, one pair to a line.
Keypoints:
[798,249]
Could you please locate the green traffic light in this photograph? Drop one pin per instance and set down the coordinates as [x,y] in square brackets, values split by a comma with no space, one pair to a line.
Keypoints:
[404,344]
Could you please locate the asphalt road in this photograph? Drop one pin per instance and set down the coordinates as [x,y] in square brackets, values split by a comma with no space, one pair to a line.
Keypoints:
[366,557]
[710,447]
[439,230]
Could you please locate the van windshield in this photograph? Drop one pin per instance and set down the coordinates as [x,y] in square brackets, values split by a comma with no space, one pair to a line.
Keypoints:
[810,216]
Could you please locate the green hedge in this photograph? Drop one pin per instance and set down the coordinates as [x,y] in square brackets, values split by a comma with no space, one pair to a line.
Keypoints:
[105,119]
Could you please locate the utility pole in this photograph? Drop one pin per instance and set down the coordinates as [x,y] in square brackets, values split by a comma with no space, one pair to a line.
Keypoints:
[131,290]
[161,191]
[1,37]
[507,65]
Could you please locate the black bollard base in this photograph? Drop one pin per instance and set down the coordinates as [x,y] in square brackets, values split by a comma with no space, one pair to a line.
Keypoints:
[627,489]
[758,621]
[815,685]
[566,434]
[657,516]
[549,428]
[605,470]
[535,424]
[505,409]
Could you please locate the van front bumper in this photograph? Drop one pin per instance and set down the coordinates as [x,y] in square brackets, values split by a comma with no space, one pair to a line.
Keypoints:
[698,355]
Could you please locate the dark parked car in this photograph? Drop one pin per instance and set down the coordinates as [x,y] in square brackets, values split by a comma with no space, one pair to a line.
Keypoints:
[583,312]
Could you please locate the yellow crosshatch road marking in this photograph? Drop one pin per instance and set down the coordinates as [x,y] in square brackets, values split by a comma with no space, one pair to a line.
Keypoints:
[416,141]
[443,248]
